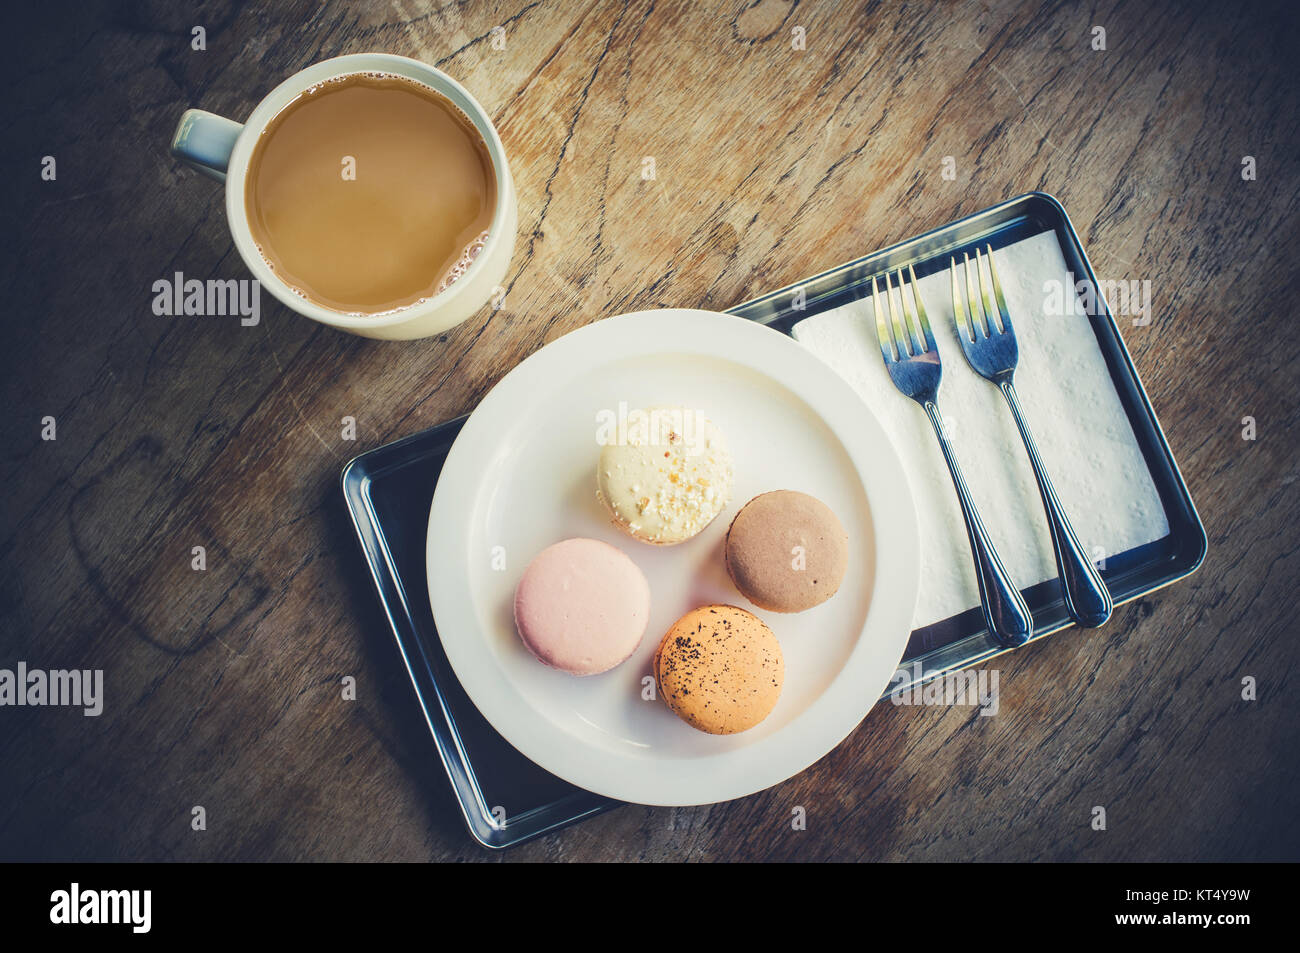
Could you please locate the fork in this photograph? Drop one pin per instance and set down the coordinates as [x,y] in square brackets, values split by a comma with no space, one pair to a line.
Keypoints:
[993,354]
[913,364]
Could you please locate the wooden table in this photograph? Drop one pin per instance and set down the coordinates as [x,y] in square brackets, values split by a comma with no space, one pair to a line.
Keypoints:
[772,163]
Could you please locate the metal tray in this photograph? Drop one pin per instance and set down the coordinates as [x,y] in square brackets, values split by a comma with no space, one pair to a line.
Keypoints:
[388,492]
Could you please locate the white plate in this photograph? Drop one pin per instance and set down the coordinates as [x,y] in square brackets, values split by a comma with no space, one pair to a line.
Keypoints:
[521,475]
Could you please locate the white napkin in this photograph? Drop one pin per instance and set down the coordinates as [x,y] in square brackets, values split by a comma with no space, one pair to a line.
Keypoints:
[1073,411]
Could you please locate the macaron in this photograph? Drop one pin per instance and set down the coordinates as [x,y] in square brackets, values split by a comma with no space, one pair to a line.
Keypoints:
[786,551]
[719,668]
[582,606]
[665,476]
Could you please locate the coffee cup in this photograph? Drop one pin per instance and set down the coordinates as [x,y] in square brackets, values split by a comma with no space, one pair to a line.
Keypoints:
[223,149]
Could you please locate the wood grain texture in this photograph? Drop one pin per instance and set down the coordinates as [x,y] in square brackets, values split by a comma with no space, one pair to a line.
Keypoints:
[771,165]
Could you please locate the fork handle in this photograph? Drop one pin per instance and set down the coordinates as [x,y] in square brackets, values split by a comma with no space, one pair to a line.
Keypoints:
[1086,597]
[1005,612]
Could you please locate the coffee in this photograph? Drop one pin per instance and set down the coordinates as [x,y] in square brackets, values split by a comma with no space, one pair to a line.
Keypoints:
[369,193]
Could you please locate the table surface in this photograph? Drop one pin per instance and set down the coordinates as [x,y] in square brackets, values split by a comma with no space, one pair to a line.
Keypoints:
[772,163]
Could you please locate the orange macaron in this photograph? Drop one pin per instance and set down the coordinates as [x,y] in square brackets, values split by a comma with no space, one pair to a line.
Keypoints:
[719,668]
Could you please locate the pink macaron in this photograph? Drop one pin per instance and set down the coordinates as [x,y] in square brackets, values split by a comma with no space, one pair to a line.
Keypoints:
[582,606]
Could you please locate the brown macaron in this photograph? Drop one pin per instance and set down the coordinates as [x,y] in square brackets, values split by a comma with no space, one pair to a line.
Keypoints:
[719,669]
[786,551]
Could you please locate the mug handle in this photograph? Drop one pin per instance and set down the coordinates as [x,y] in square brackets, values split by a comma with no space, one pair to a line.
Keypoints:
[205,140]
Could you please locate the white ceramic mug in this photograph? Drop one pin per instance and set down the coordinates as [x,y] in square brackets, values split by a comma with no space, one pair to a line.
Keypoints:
[221,149]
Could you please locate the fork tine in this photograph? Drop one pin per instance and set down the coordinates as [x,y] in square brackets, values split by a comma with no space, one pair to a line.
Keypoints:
[990,313]
[1003,313]
[909,315]
[895,327]
[962,315]
[978,318]
[920,311]
[882,331]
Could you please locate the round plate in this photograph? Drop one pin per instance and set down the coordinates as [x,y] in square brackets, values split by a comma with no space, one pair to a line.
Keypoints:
[522,475]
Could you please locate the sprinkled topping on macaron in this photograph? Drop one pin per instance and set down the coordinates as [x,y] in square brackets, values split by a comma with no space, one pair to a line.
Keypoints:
[720,669]
[666,481]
